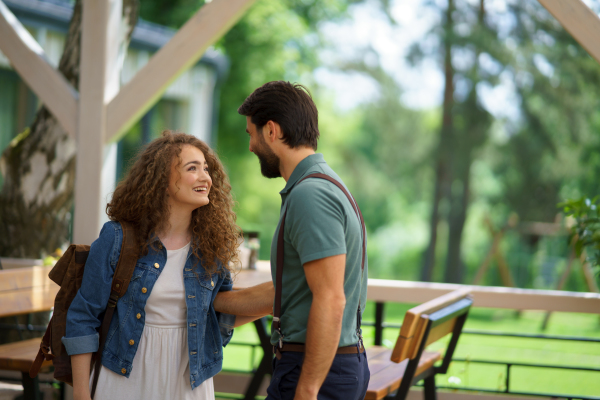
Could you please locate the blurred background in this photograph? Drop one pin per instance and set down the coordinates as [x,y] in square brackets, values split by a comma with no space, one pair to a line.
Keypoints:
[459,125]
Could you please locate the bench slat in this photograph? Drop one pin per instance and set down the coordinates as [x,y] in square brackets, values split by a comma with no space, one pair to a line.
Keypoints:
[413,325]
[19,356]
[387,375]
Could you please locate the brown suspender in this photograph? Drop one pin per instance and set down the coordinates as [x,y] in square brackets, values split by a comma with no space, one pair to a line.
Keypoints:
[279,271]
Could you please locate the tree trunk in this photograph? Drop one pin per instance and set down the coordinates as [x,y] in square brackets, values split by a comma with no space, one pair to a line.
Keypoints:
[444,151]
[455,269]
[471,137]
[36,200]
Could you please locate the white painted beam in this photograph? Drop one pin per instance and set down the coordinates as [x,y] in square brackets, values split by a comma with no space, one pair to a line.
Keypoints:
[581,22]
[179,54]
[383,290]
[30,61]
[99,46]
[486,296]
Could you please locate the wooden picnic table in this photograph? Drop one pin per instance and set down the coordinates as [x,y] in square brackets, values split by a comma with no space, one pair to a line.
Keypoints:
[26,290]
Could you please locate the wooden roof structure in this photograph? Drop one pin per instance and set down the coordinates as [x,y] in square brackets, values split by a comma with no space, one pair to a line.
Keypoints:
[101,111]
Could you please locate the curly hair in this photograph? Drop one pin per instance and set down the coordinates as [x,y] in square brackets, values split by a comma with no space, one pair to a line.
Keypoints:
[141,200]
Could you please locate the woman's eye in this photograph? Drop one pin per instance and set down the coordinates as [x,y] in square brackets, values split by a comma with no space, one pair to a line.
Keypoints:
[192,168]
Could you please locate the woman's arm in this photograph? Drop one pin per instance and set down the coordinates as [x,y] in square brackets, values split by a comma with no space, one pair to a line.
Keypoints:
[244,319]
[80,365]
[83,316]
[254,301]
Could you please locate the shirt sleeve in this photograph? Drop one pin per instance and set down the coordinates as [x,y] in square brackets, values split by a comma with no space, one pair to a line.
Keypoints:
[81,333]
[315,220]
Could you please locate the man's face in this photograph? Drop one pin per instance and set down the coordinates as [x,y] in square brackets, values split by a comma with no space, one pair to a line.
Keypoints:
[269,162]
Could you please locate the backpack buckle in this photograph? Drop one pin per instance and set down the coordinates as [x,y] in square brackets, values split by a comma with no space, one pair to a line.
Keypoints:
[112,301]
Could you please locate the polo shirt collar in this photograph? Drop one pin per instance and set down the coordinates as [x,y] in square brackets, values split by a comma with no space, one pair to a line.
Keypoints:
[301,169]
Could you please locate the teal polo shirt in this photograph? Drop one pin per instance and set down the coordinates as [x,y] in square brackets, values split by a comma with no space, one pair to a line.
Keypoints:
[320,223]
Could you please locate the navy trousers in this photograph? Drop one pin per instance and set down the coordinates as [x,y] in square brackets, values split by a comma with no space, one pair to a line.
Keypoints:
[347,379]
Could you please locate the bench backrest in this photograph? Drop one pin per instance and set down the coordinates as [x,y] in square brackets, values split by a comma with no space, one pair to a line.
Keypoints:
[431,321]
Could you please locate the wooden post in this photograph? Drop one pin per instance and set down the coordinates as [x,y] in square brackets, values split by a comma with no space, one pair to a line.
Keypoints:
[183,50]
[99,46]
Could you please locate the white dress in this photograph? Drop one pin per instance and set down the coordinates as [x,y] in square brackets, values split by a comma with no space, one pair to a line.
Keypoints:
[160,367]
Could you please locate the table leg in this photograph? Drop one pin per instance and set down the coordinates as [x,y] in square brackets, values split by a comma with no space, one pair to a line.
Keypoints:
[264,368]
[31,387]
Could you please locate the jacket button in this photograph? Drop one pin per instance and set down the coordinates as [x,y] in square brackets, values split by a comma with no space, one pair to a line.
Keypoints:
[131,342]
[144,290]
[212,283]
[123,371]
[138,316]
[156,265]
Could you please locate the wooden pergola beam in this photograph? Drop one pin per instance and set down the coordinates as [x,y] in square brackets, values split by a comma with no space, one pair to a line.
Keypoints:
[100,21]
[581,22]
[29,60]
[180,53]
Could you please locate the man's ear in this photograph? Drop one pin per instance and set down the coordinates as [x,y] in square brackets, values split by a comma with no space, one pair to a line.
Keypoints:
[272,131]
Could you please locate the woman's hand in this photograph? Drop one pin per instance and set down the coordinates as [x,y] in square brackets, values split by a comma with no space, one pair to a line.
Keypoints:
[80,366]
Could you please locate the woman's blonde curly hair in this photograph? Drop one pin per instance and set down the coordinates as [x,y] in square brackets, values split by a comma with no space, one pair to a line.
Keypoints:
[141,200]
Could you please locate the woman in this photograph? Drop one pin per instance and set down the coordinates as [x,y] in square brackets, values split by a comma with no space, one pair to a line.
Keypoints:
[165,338]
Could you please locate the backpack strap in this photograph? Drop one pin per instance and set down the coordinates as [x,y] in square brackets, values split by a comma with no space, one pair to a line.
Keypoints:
[123,272]
[279,271]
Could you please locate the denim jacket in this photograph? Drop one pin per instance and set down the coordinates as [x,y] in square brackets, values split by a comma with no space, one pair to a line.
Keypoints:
[208,331]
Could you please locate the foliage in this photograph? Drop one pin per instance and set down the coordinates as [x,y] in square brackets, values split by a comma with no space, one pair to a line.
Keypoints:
[586,230]
[386,152]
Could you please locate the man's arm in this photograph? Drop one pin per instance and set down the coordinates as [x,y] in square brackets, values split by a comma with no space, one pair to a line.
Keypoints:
[325,278]
[255,301]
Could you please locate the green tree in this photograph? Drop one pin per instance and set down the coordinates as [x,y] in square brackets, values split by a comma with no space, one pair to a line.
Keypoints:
[554,150]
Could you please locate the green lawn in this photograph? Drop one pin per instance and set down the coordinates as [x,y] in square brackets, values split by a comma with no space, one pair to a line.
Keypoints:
[504,349]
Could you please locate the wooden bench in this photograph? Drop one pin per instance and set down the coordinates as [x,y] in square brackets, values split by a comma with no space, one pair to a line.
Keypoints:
[408,362]
[23,291]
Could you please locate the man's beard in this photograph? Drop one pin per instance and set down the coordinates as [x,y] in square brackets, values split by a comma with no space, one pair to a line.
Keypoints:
[269,163]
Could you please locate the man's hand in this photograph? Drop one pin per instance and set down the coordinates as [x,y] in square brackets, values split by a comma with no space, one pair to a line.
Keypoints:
[256,301]
[325,278]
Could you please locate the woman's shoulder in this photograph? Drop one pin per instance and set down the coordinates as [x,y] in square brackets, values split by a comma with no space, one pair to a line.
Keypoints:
[110,234]
[111,228]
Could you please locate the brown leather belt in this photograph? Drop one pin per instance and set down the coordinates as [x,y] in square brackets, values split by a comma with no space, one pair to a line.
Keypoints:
[300,348]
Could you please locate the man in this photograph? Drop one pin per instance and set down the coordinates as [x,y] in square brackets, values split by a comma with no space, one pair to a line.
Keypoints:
[323,291]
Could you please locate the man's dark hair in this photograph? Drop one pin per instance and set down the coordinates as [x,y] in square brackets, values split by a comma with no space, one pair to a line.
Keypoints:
[291,106]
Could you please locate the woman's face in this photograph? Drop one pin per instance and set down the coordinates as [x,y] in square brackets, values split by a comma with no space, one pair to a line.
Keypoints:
[189,182]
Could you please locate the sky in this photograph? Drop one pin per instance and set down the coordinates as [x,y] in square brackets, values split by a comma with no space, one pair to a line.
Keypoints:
[370,28]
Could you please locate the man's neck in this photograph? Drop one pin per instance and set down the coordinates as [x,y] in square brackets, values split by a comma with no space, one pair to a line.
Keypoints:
[290,160]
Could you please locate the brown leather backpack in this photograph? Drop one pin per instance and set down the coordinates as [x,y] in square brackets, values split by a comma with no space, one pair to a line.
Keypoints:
[68,274]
